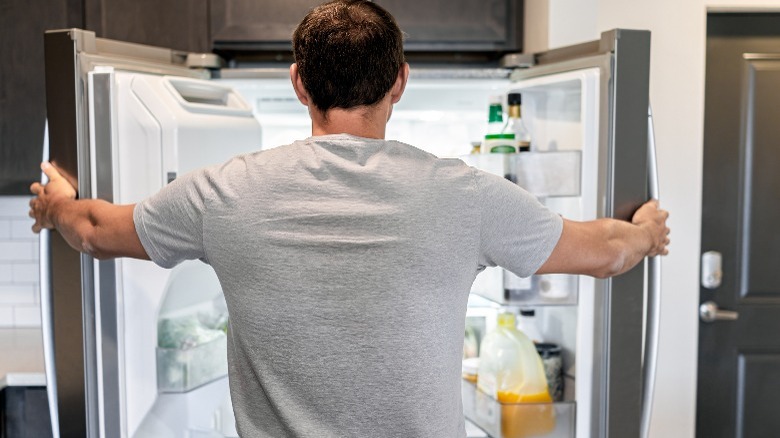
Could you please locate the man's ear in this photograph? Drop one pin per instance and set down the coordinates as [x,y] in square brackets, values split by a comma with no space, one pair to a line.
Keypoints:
[297,84]
[400,83]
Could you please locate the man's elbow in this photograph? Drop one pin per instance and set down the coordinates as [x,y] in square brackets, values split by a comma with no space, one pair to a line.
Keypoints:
[91,246]
[611,269]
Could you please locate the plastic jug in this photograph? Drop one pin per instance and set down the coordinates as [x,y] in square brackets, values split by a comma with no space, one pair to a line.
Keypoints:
[511,371]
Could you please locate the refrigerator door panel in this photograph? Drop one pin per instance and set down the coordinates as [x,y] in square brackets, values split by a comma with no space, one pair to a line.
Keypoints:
[121,128]
[615,187]
[608,122]
[192,123]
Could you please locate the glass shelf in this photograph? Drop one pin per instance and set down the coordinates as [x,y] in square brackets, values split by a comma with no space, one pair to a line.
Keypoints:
[518,420]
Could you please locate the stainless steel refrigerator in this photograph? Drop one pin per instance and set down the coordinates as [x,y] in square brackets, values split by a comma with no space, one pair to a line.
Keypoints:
[126,119]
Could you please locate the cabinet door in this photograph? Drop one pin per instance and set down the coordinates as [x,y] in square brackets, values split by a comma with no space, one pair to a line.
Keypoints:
[430,26]
[175,25]
[22,92]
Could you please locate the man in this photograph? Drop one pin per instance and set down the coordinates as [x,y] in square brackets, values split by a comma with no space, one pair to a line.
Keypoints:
[346,260]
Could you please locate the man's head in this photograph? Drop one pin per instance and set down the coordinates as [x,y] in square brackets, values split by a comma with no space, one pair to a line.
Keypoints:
[348,54]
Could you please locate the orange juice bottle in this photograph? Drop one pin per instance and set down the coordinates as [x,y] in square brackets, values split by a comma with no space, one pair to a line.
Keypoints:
[511,371]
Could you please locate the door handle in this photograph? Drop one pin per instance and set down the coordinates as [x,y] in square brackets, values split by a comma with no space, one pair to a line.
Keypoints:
[709,312]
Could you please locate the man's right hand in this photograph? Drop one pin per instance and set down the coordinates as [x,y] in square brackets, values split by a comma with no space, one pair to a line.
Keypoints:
[58,188]
[652,219]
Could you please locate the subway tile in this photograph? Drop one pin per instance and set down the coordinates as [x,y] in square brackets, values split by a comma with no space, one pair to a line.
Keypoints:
[27,316]
[6,273]
[17,294]
[19,251]
[13,205]
[25,273]
[5,229]
[21,229]
[6,316]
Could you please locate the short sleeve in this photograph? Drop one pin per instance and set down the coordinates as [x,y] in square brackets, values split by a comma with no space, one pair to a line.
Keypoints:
[516,232]
[170,222]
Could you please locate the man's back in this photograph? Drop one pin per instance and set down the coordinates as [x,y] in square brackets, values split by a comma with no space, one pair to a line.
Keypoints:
[346,264]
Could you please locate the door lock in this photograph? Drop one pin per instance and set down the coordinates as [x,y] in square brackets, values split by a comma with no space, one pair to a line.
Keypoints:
[711,269]
[709,312]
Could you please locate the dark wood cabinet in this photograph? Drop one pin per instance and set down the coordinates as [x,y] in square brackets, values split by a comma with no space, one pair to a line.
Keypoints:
[246,28]
[180,25]
[22,94]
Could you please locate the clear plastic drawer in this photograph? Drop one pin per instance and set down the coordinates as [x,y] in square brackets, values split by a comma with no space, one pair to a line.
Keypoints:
[543,174]
[518,420]
[545,290]
[180,370]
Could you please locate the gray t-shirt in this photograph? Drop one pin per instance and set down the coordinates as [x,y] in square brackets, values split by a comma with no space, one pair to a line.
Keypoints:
[346,264]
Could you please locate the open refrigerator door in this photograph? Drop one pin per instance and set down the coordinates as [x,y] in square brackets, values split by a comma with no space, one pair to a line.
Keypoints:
[585,107]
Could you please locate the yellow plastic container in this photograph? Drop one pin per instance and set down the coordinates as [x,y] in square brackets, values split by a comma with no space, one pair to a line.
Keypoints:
[511,371]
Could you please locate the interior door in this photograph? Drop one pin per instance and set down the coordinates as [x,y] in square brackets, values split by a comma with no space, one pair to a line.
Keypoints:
[739,359]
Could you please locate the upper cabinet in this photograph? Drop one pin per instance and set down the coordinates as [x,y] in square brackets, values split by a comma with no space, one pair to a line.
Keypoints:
[22,94]
[242,27]
[180,25]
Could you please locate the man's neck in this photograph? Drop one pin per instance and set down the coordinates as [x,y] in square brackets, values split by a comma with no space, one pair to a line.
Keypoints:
[367,122]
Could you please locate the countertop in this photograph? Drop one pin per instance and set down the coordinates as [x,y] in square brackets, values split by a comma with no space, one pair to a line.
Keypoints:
[21,358]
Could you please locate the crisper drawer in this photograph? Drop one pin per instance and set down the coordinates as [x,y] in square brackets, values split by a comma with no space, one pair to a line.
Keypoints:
[518,420]
[181,370]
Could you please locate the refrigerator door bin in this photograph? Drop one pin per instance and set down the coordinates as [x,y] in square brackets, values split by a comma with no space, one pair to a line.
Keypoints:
[518,420]
[544,290]
[181,370]
[543,174]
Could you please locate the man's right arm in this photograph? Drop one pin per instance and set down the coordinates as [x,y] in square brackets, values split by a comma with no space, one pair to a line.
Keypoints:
[608,247]
[96,227]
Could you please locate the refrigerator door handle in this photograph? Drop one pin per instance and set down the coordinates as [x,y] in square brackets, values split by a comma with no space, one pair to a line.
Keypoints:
[47,323]
[653,323]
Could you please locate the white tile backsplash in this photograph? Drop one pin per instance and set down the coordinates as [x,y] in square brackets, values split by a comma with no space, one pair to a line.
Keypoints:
[19,289]
[17,294]
[27,316]
[21,229]
[6,273]
[26,272]
[6,316]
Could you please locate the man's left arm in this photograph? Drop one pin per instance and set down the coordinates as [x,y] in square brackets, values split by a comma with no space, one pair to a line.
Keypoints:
[93,226]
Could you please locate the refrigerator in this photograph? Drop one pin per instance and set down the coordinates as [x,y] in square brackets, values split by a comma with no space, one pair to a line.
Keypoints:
[126,119]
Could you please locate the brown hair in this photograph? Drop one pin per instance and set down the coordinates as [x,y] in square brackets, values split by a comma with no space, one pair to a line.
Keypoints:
[348,53]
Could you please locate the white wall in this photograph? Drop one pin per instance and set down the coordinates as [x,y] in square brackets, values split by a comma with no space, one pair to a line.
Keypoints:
[677,95]
[19,295]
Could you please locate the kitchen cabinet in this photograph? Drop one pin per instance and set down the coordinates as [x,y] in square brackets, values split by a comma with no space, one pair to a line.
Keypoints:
[22,94]
[442,27]
[178,25]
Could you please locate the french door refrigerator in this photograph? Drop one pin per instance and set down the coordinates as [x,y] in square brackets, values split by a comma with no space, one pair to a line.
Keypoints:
[135,350]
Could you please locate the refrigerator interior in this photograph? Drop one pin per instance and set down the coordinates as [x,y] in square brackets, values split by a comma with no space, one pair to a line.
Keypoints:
[168,126]
[443,116]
